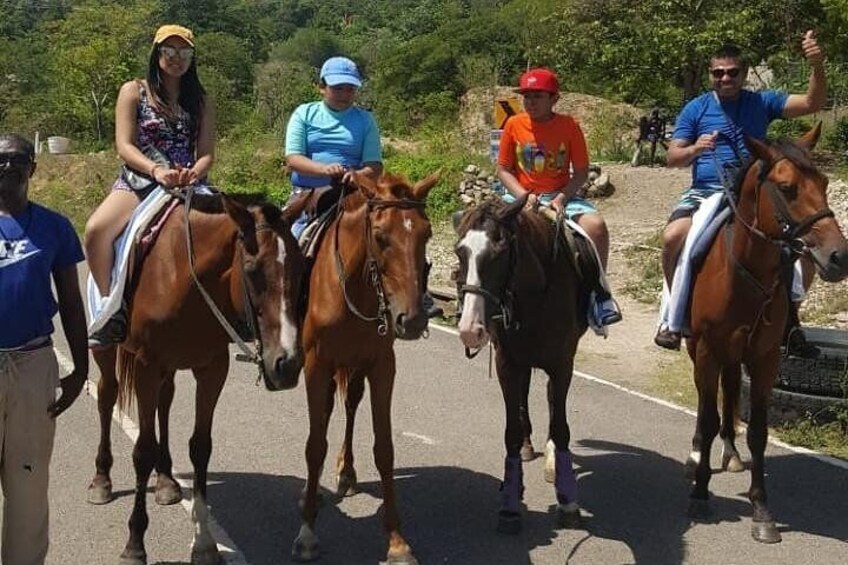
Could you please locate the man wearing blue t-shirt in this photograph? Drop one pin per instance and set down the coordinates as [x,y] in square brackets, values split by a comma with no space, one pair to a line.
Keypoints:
[37,245]
[332,137]
[711,128]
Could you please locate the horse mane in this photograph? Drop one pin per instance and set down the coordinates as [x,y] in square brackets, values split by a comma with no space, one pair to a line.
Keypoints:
[797,155]
[214,203]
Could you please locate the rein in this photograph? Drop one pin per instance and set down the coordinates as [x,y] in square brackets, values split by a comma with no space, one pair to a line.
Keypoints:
[246,354]
[372,268]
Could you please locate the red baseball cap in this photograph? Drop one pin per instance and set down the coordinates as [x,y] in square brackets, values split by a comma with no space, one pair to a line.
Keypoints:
[539,79]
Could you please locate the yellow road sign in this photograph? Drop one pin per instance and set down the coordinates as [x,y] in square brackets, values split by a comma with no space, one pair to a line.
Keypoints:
[504,108]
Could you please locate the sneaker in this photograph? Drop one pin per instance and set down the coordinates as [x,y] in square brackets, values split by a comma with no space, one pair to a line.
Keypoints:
[607,312]
[430,306]
[113,331]
[667,339]
[798,346]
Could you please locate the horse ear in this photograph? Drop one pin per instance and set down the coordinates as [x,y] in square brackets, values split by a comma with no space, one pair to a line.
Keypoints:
[760,149]
[364,184]
[509,212]
[809,139]
[422,187]
[244,220]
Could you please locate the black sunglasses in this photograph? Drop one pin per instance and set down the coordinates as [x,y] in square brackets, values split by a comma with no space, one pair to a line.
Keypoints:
[15,159]
[732,72]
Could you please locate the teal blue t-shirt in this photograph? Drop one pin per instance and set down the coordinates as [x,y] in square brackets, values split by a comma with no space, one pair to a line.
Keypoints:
[749,114]
[350,138]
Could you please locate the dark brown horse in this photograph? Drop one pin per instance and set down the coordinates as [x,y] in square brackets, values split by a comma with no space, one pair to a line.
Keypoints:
[365,289]
[251,267]
[520,288]
[740,304]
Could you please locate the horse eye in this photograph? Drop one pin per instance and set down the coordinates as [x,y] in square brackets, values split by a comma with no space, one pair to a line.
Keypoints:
[789,190]
[382,240]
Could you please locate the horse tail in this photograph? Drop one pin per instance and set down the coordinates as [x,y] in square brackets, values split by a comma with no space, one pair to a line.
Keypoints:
[126,378]
[342,384]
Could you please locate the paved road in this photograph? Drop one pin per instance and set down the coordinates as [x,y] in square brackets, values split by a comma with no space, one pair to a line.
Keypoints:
[448,433]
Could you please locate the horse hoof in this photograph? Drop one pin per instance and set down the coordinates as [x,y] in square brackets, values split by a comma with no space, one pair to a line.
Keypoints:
[167,491]
[133,557]
[100,492]
[568,516]
[765,532]
[346,484]
[509,523]
[305,547]
[527,452]
[404,559]
[208,556]
[732,464]
[699,509]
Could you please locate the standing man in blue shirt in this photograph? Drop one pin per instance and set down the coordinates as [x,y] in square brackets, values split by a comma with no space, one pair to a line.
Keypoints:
[37,245]
[715,123]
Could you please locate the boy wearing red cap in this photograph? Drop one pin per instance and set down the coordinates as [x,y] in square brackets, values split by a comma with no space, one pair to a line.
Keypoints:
[544,153]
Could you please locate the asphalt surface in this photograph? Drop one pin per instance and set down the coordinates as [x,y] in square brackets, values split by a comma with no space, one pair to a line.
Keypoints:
[448,430]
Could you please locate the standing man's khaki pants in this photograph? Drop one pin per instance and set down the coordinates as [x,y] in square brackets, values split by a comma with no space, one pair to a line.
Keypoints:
[28,381]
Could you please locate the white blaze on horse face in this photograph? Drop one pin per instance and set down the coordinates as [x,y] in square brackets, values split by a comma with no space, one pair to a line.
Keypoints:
[407,224]
[288,324]
[472,324]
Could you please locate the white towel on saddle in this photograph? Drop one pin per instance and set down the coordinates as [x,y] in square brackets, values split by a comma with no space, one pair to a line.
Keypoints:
[101,308]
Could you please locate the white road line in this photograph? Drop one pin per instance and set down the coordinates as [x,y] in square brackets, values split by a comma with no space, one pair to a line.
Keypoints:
[228,549]
[789,447]
[426,440]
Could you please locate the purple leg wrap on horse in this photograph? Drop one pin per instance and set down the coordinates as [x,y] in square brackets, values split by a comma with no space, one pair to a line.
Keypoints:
[566,481]
[512,487]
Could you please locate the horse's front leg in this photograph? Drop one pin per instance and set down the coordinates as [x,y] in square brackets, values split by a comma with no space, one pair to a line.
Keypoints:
[318,388]
[100,489]
[706,380]
[147,382]
[167,489]
[565,481]
[381,381]
[210,381]
[345,471]
[762,375]
[528,452]
[731,378]
[512,487]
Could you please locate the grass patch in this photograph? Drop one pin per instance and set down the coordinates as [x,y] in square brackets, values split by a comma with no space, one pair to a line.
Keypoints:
[673,380]
[644,261]
[829,438]
[824,312]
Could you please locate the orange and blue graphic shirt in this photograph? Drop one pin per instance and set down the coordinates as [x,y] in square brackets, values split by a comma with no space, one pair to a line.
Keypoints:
[543,154]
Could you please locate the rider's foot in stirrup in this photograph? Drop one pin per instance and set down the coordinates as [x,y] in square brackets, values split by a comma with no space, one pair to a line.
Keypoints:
[607,312]
[668,339]
[113,331]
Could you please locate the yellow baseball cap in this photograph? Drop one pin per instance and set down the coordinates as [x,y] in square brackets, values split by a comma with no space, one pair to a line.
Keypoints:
[171,30]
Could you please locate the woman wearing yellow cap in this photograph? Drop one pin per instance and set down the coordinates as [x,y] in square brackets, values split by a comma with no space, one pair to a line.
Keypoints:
[165,134]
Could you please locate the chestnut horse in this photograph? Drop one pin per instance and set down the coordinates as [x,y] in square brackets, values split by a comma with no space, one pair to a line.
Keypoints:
[365,289]
[519,288]
[740,304]
[251,267]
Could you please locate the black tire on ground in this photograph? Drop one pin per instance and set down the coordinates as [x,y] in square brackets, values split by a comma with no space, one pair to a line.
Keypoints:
[787,405]
[823,376]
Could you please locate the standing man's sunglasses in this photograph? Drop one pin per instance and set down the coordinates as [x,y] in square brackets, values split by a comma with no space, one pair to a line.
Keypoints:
[732,72]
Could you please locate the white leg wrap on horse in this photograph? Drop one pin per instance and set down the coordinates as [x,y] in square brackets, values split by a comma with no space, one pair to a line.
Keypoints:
[200,516]
[695,457]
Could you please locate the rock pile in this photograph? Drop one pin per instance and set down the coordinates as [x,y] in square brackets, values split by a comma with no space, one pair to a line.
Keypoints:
[478,185]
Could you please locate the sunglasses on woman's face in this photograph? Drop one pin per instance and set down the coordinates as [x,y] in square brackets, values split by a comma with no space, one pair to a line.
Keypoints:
[14,160]
[186,53]
[732,72]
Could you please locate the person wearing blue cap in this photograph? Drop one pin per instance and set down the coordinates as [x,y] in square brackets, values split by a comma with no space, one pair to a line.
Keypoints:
[331,137]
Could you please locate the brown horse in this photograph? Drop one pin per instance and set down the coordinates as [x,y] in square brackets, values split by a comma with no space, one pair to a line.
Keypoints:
[365,289]
[251,267]
[522,290]
[740,304]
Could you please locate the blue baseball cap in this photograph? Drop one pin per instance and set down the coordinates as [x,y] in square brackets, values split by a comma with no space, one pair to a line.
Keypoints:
[340,70]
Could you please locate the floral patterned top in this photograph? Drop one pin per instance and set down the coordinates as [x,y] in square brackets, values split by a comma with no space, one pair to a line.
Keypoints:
[173,137]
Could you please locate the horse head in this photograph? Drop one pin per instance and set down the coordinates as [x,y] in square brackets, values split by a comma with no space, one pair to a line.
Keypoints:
[273,268]
[795,209]
[487,255]
[397,231]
